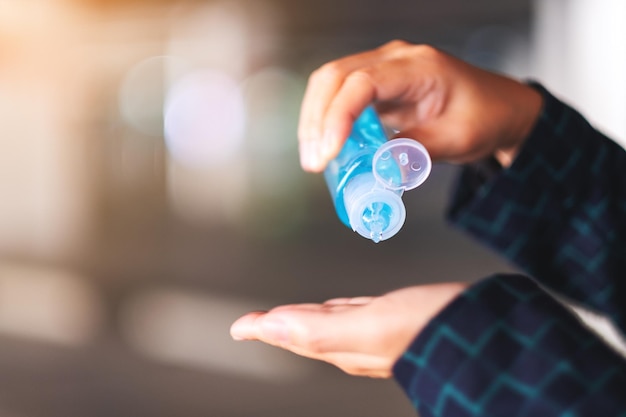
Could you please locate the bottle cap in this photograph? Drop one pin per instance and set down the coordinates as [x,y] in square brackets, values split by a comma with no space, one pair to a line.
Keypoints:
[374,212]
[401,164]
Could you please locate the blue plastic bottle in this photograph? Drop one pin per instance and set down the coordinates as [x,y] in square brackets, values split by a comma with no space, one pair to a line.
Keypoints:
[368,177]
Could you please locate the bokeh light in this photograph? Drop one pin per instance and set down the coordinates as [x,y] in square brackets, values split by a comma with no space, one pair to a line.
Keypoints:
[142,94]
[204,119]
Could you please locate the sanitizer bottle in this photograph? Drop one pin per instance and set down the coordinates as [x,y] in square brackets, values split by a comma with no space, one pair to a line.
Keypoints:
[368,177]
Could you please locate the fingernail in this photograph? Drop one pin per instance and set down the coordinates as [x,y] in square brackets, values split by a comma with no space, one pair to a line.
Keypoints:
[275,329]
[314,156]
[305,150]
[238,331]
[309,155]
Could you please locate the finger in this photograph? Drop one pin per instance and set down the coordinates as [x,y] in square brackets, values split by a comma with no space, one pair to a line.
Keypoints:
[348,301]
[337,301]
[396,115]
[391,80]
[298,307]
[272,328]
[253,325]
[315,332]
[323,85]
[246,327]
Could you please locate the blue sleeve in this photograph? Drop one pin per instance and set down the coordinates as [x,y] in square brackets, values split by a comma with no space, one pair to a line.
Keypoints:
[506,348]
[559,212]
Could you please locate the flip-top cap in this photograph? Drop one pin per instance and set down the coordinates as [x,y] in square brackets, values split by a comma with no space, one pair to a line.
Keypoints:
[401,164]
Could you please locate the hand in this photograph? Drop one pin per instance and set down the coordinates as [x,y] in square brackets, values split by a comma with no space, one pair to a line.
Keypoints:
[459,112]
[362,336]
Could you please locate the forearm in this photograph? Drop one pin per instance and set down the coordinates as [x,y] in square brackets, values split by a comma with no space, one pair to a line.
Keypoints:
[506,348]
[559,212]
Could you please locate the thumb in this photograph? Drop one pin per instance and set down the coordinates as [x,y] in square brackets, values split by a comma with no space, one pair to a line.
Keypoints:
[309,331]
[263,327]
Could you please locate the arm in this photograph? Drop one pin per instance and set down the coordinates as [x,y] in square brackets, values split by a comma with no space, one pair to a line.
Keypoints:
[506,348]
[559,211]
[463,114]
[503,347]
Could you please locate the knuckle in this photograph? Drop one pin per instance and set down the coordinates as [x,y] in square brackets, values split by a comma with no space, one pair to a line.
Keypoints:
[425,48]
[427,51]
[399,49]
[360,76]
[328,71]
[396,44]
[314,343]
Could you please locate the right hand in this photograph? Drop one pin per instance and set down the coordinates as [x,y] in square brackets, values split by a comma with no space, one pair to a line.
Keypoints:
[459,112]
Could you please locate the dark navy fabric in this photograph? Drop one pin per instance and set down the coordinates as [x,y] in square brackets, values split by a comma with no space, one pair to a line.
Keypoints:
[506,347]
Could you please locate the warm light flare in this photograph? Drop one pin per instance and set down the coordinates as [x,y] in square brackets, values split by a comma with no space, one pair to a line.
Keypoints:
[204,119]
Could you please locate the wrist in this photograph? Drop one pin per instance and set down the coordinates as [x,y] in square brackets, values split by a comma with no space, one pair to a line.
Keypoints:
[525,109]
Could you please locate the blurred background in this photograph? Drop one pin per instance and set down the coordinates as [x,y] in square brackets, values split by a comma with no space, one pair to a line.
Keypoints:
[150,191]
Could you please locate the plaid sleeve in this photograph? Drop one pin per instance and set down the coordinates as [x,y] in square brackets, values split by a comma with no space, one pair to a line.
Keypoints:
[506,348]
[559,212]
